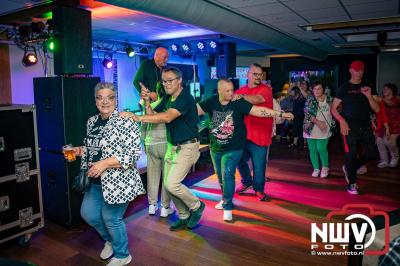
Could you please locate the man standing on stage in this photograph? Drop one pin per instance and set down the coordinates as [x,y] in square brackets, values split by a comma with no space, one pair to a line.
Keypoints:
[154,136]
[355,123]
[178,110]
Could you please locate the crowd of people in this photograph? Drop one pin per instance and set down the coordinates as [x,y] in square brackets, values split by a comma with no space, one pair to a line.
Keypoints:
[241,128]
[365,120]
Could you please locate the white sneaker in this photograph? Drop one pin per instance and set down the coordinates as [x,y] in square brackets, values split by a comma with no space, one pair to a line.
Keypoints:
[107,251]
[382,164]
[165,212]
[120,262]
[152,209]
[219,205]
[227,215]
[393,162]
[315,173]
[362,170]
[324,172]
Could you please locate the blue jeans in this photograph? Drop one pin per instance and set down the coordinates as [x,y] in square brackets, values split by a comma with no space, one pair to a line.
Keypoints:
[225,167]
[107,219]
[259,161]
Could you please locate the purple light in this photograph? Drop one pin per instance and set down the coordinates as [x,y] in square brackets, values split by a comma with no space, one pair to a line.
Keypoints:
[107,63]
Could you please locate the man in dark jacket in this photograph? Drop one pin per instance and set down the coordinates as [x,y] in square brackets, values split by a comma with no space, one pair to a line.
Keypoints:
[149,73]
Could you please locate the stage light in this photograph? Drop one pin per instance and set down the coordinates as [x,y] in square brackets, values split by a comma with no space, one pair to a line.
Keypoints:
[174,48]
[186,48]
[107,61]
[201,47]
[212,44]
[37,27]
[30,57]
[50,45]
[130,51]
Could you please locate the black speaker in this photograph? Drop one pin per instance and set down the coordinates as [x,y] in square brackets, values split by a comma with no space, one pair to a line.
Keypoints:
[64,105]
[72,40]
[226,60]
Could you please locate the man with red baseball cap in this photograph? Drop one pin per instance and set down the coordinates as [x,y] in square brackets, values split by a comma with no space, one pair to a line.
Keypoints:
[355,125]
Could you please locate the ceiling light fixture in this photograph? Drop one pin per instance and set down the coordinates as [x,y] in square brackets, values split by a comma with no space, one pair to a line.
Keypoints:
[30,58]
[107,61]
[186,48]
[130,51]
[174,48]
[201,46]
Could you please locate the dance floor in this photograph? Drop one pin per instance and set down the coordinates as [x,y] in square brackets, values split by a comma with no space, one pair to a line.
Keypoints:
[276,232]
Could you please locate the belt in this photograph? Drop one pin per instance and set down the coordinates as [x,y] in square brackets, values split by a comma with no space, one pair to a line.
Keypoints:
[185,142]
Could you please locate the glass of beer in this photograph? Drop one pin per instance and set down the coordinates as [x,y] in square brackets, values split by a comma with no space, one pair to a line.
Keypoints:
[69,152]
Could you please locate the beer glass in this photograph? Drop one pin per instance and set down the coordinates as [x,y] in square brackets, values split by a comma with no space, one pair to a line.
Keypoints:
[69,152]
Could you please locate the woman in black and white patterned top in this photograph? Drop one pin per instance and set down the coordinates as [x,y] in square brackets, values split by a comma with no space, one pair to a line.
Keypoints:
[111,149]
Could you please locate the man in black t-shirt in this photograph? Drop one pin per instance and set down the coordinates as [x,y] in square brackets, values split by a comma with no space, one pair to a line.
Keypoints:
[178,110]
[228,135]
[358,103]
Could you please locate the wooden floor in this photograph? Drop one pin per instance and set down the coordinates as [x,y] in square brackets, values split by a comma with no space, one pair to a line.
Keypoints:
[276,232]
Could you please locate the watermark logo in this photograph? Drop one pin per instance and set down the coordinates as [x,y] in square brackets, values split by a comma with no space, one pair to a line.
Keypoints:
[356,233]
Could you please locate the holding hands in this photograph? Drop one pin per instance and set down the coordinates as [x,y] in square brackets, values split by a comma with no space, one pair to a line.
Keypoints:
[147,95]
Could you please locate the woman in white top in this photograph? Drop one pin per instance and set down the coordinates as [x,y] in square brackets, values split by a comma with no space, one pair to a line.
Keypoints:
[317,128]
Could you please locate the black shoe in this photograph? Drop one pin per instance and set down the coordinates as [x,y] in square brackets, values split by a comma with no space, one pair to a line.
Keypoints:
[261,196]
[178,225]
[242,188]
[196,216]
[353,189]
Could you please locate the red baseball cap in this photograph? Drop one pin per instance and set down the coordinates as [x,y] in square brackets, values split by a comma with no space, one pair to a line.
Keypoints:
[357,65]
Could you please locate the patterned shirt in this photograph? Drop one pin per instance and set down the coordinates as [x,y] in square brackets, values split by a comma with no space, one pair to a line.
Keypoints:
[121,140]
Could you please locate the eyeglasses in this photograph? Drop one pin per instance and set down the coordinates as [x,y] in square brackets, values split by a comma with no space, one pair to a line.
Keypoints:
[168,82]
[256,74]
[107,98]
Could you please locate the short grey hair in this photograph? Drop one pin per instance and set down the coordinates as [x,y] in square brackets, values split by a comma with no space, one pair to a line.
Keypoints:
[104,85]
[174,70]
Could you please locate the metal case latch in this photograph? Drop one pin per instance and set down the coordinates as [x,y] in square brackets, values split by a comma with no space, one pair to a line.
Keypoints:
[22,172]
[4,203]
[2,144]
[22,154]
[25,217]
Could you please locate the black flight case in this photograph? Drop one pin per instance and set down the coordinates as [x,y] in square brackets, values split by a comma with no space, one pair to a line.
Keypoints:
[21,206]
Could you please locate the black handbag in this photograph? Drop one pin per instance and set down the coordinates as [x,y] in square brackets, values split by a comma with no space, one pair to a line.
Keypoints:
[81,181]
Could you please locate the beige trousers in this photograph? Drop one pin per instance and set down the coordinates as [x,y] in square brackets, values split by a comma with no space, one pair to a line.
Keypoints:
[155,164]
[178,161]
